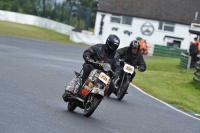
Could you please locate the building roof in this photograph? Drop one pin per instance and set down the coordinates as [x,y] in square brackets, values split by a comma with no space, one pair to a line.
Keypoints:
[176,11]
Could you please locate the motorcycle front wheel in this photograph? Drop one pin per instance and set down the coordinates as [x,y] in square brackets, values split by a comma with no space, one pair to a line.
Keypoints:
[123,88]
[91,105]
[71,106]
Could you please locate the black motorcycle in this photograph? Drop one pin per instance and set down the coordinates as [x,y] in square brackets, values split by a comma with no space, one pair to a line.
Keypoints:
[122,83]
[89,95]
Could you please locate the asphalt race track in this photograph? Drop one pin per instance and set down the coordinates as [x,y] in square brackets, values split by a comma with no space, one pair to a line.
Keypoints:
[33,75]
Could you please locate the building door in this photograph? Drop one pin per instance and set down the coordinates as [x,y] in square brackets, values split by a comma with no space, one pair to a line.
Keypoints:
[177,44]
[173,41]
[174,44]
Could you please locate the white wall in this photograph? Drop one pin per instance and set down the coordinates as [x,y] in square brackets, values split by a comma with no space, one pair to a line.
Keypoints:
[181,31]
[85,38]
[37,21]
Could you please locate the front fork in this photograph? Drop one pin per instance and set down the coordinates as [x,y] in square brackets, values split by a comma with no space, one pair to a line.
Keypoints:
[128,78]
[90,97]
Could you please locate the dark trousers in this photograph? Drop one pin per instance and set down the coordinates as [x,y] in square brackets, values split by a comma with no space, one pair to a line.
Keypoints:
[133,75]
[193,59]
[87,68]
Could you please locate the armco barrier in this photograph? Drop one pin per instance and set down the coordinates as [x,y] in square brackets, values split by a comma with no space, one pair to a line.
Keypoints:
[167,51]
[197,73]
[185,61]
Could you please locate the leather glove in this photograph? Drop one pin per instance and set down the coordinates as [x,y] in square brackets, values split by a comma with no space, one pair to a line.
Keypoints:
[121,62]
[141,68]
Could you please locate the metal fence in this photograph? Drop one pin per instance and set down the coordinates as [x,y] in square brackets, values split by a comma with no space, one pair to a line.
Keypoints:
[167,51]
[197,73]
[70,12]
[185,61]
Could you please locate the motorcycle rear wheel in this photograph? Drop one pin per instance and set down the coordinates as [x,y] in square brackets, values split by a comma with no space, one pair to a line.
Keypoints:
[91,105]
[71,106]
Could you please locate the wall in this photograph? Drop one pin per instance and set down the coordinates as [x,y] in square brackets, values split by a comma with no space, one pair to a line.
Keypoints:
[37,21]
[85,38]
[181,31]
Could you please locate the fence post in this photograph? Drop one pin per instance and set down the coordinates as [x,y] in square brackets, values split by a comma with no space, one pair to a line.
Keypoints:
[197,73]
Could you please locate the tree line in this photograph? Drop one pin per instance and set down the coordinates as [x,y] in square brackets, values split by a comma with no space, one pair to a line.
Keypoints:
[77,13]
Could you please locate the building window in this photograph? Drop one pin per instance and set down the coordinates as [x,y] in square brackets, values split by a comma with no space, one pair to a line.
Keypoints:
[121,20]
[115,19]
[166,26]
[126,20]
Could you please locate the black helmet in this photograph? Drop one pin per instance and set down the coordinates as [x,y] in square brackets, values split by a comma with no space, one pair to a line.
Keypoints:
[135,45]
[112,42]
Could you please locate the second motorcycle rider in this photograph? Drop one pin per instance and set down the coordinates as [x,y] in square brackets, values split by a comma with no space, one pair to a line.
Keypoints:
[133,56]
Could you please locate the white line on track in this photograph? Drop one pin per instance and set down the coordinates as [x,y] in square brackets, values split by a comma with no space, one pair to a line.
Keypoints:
[166,103]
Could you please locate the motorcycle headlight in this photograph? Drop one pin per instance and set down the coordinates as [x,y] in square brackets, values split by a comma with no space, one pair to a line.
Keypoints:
[106,67]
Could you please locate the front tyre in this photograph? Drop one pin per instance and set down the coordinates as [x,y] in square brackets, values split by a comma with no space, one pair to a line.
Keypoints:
[91,105]
[123,89]
[71,106]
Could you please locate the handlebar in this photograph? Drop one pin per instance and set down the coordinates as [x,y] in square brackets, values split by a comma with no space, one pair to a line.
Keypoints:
[105,66]
[123,62]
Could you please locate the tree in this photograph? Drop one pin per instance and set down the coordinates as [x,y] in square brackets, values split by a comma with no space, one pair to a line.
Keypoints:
[82,11]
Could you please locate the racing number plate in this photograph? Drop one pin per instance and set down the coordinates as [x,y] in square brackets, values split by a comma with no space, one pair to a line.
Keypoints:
[104,78]
[128,68]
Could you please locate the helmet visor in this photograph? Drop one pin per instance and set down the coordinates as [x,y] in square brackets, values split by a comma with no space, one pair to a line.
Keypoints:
[113,46]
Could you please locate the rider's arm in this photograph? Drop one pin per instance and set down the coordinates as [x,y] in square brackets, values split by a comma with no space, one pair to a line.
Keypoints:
[141,63]
[121,52]
[117,70]
[91,52]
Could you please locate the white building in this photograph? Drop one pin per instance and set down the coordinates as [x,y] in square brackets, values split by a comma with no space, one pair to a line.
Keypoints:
[163,22]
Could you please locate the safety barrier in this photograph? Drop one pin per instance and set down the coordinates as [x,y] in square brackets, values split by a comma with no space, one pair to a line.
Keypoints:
[197,73]
[167,51]
[185,61]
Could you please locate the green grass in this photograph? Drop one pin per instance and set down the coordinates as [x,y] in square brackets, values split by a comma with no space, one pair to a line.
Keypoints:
[165,80]
[34,32]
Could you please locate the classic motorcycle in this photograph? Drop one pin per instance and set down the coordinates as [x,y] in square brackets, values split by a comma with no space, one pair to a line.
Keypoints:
[122,83]
[88,95]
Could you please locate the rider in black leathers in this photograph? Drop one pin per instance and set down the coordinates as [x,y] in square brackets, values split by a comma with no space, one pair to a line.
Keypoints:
[133,56]
[102,52]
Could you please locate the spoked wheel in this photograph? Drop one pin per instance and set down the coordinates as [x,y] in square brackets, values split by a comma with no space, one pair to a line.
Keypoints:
[71,106]
[122,90]
[91,105]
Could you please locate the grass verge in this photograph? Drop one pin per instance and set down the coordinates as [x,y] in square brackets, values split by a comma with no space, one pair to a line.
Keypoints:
[34,32]
[165,80]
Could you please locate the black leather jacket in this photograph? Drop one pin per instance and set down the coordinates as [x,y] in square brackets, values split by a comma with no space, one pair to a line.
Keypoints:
[193,49]
[98,52]
[126,54]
